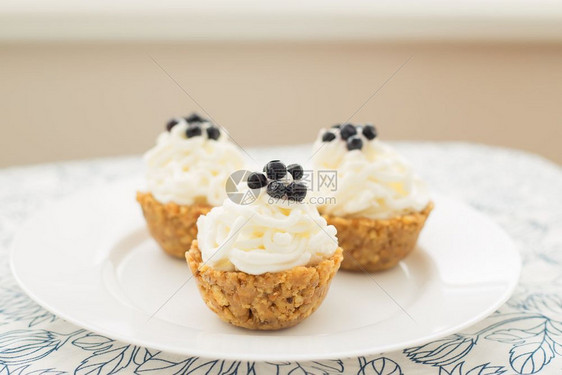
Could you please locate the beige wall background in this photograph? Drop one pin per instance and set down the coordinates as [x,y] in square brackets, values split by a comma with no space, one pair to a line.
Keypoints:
[63,101]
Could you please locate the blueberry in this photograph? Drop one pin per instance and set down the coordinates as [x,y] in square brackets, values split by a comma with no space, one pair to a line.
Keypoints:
[296,191]
[275,170]
[257,180]
[213,132]
[296,171]
[369,132]
[193,131]
[194,117]
[328,137]
[354,143]
[173,122]
[276,189]
[347,131]
[337,126]
[271,161]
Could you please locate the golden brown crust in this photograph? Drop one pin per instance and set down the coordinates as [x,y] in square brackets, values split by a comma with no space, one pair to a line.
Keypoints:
[264,302]
[172,225]
[377,244]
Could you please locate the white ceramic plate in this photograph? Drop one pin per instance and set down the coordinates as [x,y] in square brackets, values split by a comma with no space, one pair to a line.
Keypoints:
[90,260]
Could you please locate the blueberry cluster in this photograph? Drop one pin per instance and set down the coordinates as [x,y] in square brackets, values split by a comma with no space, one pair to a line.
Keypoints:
[351,134]
[195,128]
[272,178]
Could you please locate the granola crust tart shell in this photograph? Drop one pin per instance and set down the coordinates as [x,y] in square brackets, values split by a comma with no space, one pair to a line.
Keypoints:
[377,244]
[172,225]
[269,301]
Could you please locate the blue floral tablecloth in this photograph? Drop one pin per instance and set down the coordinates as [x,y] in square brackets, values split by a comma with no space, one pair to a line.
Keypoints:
[522,192]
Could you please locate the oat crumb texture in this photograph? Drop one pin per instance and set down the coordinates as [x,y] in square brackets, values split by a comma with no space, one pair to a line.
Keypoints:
[269,301]
[377,244]
[172,225]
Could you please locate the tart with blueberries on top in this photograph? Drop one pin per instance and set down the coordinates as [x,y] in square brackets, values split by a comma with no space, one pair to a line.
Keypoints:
[267,264]
[186,174]
[378,204]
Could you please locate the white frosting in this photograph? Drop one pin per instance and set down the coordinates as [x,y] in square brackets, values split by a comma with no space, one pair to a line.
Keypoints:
[191,170]
[264,236]
[374,182]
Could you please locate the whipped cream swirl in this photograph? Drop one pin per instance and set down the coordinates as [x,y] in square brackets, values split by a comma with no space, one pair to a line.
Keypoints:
[375,182]
[265,236]
[191,170]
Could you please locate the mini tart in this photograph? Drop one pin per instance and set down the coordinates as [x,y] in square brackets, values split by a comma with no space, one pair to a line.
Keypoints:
[269,301]
[172,225]
[377,244]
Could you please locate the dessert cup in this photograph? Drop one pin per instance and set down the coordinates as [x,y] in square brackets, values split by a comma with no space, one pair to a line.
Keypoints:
[269,301]
[377,244]
[186,173]
[172,225]
[266,265]
[378,204]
